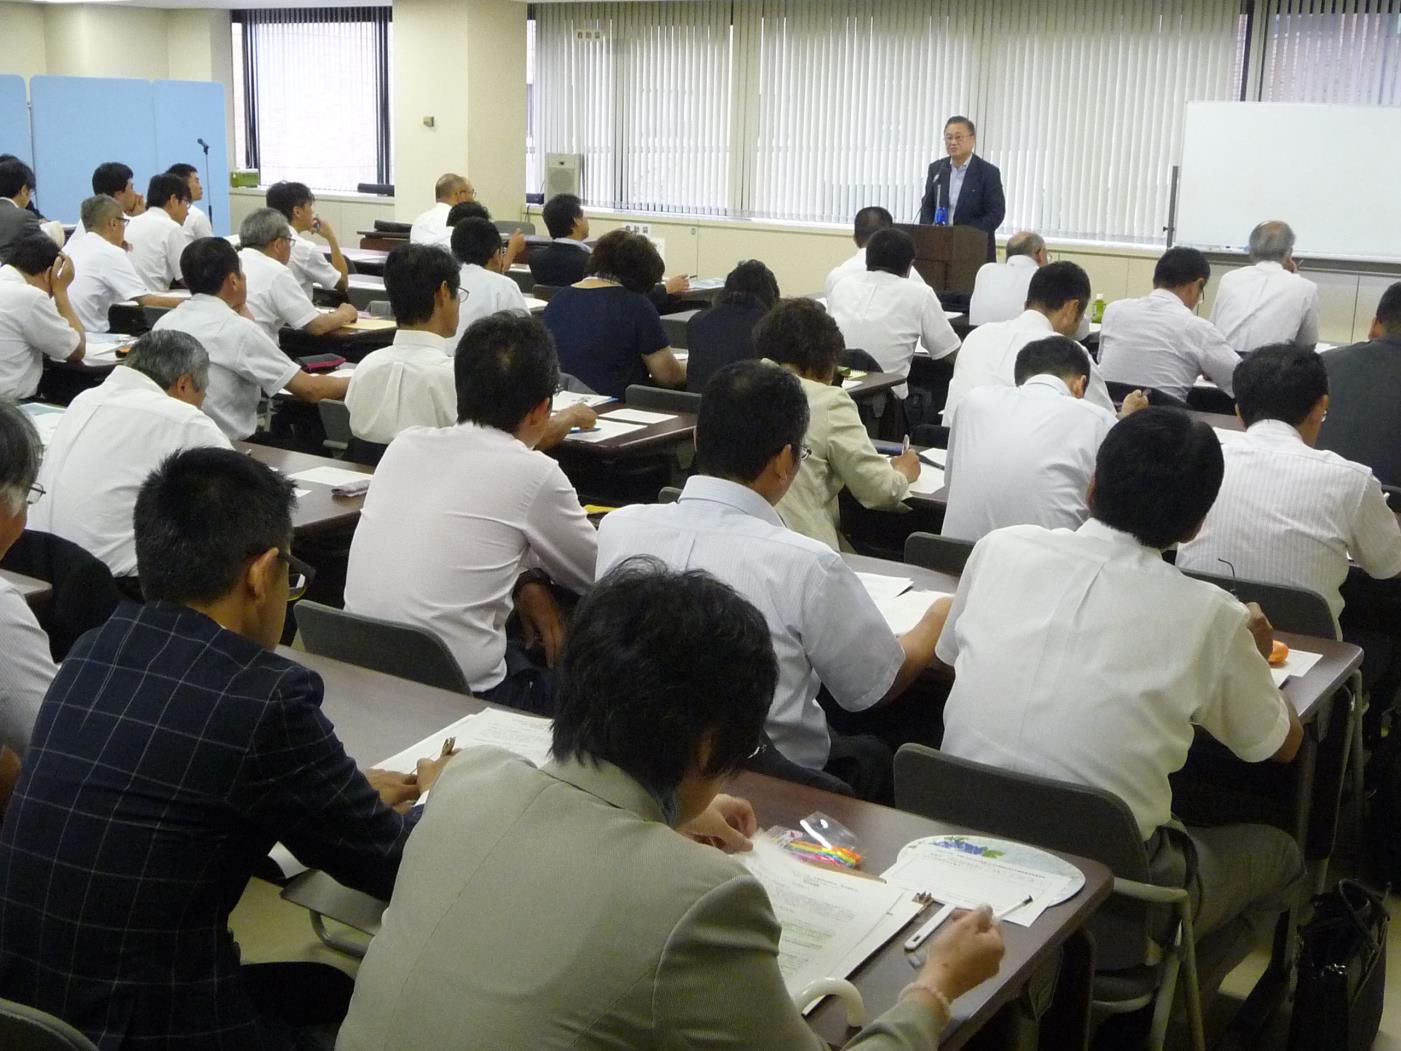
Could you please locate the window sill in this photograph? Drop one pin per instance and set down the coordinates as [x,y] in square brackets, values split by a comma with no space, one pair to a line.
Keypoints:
[321,195]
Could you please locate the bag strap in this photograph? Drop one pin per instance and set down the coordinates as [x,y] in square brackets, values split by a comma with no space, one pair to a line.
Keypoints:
[1364,906]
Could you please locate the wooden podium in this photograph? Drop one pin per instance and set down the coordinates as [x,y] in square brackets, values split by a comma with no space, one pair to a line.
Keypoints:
[948,257]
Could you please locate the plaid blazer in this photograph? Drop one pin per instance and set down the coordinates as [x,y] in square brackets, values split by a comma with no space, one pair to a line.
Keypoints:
[169,755]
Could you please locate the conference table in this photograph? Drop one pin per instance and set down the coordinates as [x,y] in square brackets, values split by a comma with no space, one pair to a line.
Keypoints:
[365,260]
[377,715]
[318,509]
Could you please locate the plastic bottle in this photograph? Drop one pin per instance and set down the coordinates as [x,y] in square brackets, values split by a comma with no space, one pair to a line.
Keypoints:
[1097,315]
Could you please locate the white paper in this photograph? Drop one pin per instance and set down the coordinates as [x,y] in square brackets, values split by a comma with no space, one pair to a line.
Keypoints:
[604,429]
[1225,437]
[953,877]
[848,384]
[535,304]
[566,399]
[638,416]
[1297,663]
[345,371]
[104,353]
[929,482]
[903,612]
[949,315]
[299,492]
[331,476]
[526,735]
[880,586]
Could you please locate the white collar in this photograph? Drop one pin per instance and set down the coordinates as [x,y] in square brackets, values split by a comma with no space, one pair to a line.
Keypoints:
[731,494]
[123,378]
[1122,544]
[407,337]
[1045,381]
[571,241]
[1169,297]
[1033,319]
[1023,261]
[1276,431]
[158,214]
[1269,265]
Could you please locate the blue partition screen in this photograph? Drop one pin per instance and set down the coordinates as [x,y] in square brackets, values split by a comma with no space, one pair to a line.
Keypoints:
[185,112]
[14,118]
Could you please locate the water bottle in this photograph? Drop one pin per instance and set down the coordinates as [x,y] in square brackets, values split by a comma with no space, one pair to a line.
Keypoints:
[941,216]
[1097,315]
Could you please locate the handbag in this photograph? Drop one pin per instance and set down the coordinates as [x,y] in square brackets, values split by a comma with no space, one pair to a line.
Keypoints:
[1341,971]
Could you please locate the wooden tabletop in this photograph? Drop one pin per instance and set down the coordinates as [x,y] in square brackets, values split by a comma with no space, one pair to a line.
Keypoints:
[318,511]
[30,589]
[377,715]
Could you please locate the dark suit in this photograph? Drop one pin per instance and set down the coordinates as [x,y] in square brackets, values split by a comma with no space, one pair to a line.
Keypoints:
[15,222]
[557,263]
[1364,417]
[980,201]
[169,755]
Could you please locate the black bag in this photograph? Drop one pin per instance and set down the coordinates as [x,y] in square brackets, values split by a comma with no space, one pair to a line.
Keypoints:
[1342,972]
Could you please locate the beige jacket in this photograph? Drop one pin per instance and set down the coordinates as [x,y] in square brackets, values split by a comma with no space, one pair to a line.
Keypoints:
[553,908]
[842,457]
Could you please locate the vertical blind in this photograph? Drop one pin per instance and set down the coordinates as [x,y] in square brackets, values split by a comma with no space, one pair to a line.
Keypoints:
[291,119]
[1345,51]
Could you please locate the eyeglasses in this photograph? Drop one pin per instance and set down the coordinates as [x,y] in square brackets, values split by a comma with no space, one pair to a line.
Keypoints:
[462,295]
[299,575]
[804,451]
[35,494]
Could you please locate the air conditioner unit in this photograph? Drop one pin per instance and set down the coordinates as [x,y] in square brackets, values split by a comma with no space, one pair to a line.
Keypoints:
[562,173]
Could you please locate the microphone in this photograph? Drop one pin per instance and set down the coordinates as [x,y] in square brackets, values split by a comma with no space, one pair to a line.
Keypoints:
[202,143]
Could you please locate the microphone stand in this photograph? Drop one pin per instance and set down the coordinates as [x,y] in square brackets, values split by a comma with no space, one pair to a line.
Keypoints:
[205,146]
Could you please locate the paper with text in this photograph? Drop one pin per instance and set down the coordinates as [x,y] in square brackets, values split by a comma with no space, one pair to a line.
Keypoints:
[929,482]
[967,880]
[638,416]
[566,399]
[1297,663]
[605,429]
[331,476]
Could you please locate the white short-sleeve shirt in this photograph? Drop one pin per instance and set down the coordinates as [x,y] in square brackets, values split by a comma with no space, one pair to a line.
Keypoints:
[310,266]
[275,298]
[889,317]
[1155,341]
[102,275]
[409,383]
[999,290]
[107,444]
[197,225]
[454,515]
[487,293]
[26,671]
[1263,304]
[1291,514]
[431,227]
[1084,657]
[856,264]
[30,328]
[243,363]
[1022,456]
[156,243]
[826,628]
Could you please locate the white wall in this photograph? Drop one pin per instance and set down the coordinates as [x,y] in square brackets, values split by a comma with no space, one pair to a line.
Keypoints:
[346,212]
[106,41]
[25,50]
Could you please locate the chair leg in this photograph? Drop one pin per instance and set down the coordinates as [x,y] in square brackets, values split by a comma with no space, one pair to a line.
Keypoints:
[335,941]
[1163,1003]
[1193,986]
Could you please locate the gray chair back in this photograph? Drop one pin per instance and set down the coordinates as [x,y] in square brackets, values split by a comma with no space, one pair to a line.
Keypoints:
[640,396]
[1289,609]
[669,494]
[545,292]
[34,1030]
[381,645]
[508,227]
[335,419]
[1393,496]
[943,554]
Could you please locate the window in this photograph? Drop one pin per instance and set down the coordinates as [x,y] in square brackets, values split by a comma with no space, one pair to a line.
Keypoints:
[292,120]
[1349,53]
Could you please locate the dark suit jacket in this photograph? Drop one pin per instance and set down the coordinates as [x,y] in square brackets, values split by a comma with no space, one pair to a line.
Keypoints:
[169,755]
[15,222]
[980,202]
[561,264]
[1364,415]
[719,336]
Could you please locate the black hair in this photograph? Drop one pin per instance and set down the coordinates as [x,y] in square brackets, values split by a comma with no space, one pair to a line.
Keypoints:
[1181,266]
[110,178]
[33,254]
[476,241]
[1389,308]
[287,197]
[972,128]
[1052,356]
[163,187]
[1055,284]
[629,257]
[750,411]
[183,170]
[467,210]
[206,263]
[200,516]
[1157,475]
[413,273]
[559,213]
[15,175]
[800,333]
[890,250]
[1279,382]
[868,220]
[505,366]
[750,283]
[636,691]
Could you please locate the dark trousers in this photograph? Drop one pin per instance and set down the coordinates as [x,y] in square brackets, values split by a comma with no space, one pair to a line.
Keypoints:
[864,762]
[528,686]
[303,1004]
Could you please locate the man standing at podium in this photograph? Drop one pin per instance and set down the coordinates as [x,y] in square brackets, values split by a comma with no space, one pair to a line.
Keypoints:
[967,187]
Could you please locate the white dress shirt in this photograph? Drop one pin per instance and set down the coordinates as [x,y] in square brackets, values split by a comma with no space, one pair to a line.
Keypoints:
[102,275]
[1155,341]
[30,328]
[989,357]
[1263,304]
[1022,456]
[409,383]
[1085,657]
[26,670]
[243,363]
[487,293]
[857,265]
[453,517]
[310,266]
[156,243]
[826,628]
[999,290]
[107,444]
[1291,514]
[197,225]
[888,317]
[957,173]
[275,298]
[431,226]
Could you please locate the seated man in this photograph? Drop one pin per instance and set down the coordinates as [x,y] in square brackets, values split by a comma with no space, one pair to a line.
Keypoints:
[1364,415]
[1083,656]
[1055,303]
[459,517]
[1024,455]
[642,740]
[1268,301]
[1289,513]
[827,630]
[172,751]
[275,298]
[868,220]
[110,440]
[308,264]
[1158,341]
[887,315]
[565,261]
[243,363]
[1000,289]
[157,236]
[16,191]
[36,315]
[432,226]
[113,179]
[196,224]
[102,270]
[476,244]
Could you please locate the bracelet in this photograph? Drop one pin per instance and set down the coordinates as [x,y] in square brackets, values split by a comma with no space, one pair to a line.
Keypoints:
[931,997]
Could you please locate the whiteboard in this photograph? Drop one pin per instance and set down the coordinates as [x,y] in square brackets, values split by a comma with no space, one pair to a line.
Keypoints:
[1329,171]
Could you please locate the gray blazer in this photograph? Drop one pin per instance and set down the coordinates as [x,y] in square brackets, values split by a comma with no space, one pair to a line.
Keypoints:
[15,222]
[554,908]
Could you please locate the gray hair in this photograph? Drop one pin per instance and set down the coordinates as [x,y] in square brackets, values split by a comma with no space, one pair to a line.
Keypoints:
[98,210]
[166,355]
[1271,242]
[262,227]
[20,454]
[1028,242]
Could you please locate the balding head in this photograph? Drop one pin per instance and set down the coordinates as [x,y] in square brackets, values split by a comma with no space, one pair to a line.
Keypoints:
[1271,242]
[453,189]
[1028,243]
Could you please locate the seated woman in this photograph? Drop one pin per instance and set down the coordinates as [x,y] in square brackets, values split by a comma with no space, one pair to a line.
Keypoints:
[584,904]
[725,332]
[801,336]
[607,331]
